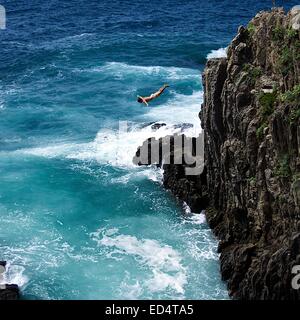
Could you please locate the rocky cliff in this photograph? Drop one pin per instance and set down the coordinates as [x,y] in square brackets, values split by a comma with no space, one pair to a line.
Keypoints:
[250,187]
[251,117]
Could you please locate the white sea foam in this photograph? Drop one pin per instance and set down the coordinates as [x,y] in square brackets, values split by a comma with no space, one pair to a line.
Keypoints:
[130,291]
[108,147]
[153,174]
[187,210]
[202,246]
[124,70]
[14,274]
[166,271]
[161,281]
[219,53]
[180,109]
[198,218]
[194,218]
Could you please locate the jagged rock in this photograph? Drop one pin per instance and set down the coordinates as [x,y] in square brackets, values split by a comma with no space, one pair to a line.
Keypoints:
[11,292]
[175,149]
[170,153]
[251,157]
[183,126]
[190,189]
[3,263]
[295,22]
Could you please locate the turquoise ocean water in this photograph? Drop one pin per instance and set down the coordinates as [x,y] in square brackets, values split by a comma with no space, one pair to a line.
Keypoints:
[78,219]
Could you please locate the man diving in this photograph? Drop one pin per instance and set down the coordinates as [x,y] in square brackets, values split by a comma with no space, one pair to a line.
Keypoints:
[153,95]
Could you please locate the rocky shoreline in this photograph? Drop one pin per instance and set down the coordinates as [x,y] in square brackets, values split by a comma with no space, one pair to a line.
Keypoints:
[250,185]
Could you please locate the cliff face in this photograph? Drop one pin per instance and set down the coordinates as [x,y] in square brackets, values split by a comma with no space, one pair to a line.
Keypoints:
[250,186]
[251,118]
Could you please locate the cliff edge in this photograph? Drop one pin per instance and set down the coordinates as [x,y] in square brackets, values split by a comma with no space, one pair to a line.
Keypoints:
[251,117]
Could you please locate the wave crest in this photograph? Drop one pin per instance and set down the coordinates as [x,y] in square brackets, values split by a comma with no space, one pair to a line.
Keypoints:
[219,53]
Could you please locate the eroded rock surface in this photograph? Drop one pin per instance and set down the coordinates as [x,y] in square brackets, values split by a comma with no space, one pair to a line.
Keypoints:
[250,118]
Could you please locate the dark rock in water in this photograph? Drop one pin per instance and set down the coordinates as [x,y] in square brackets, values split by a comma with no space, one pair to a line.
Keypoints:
[150,153]
[157,126]
[10,292]
[147,124]
[183,126]
[176,149]
[3,263]
[188,188]
[176,160]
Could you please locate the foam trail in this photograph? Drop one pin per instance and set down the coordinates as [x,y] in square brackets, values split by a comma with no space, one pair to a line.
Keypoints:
[123,71]
[196,218]
[219,53]
[163,262]
[187,210]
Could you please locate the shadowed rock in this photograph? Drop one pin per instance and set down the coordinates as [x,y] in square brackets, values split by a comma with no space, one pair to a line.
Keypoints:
[10,292]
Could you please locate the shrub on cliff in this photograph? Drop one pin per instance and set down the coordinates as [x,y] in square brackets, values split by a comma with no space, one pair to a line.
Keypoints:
[291,96]
[267,102]
[251,28]
[278,34]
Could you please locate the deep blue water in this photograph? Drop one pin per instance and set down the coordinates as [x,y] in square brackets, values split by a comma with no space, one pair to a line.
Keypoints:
[78,220]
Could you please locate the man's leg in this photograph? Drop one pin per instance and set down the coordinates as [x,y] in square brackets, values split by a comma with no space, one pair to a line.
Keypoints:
[163,88]
[160,91]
